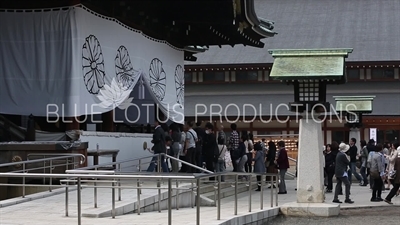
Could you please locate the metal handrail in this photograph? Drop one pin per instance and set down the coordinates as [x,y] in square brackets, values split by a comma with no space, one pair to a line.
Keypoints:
[156,177]
[292,159]
[83,158]
[290,173]
[140,158]
[42,160]
[115,163]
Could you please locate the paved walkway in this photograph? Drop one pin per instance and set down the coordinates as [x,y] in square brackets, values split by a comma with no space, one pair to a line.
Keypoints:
[50,210]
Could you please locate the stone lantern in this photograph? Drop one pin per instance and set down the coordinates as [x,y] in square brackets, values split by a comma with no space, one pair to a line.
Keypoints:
[353,107]
[310,71]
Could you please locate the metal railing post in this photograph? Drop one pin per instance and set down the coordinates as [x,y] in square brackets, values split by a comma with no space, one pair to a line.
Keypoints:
[219,198]
[177,195]
[215,186]
[140,165]
[198,202]
[192,194]
[119,183]
[272,191]
[23,181]
[262,194]
[138,196]
[170,201]
[79,200]
[51,171]
[276,191]
[95,191]
[236,194]
[44,170]
[159,196]
[113,198]
[66,200]
[250,193]
[159,164]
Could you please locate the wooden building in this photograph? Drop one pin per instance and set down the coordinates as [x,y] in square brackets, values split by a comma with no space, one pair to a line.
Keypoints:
[187,27]
[240,75]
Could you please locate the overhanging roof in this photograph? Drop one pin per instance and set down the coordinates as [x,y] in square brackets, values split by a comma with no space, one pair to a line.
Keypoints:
[182,23]
[370,27]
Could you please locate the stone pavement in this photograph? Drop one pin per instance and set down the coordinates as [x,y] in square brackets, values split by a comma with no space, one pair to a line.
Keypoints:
[50,210]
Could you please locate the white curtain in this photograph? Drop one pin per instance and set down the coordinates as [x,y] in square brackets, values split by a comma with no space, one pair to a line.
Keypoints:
[76,62]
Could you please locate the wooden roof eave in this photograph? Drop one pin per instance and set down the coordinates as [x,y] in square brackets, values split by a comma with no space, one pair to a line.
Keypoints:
[260,26]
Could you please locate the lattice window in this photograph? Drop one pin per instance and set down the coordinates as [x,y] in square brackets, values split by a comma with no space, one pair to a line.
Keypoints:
[309,91]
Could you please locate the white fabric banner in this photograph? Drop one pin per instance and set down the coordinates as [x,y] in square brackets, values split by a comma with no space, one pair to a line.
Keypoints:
[76,62]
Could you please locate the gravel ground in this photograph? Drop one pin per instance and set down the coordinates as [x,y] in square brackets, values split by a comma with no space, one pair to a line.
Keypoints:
[366,216]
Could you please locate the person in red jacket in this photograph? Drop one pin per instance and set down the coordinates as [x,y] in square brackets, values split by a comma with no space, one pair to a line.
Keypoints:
[282,163]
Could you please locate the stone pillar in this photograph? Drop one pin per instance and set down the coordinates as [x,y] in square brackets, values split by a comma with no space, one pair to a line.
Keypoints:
[310,175]
[310,195]
[355,133]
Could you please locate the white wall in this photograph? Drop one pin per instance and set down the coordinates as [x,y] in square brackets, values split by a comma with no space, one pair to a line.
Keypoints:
[130,146]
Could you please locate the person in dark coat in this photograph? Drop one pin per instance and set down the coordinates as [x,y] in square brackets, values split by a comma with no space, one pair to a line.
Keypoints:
[158,148]
[282,162]
[259,165]
[210,147]
[270,162]
[201,133]
[330,158]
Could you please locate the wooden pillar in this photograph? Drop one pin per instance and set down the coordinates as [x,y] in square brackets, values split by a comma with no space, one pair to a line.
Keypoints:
[108,121]
[30,129]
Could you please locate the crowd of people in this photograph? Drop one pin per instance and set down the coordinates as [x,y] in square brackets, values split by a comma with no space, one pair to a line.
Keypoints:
[208,147]
[377,163]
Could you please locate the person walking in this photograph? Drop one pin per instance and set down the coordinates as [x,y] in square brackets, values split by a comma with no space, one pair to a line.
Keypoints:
[377,173]
[342,163]
[394,174]
[353,160]
[159,147]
